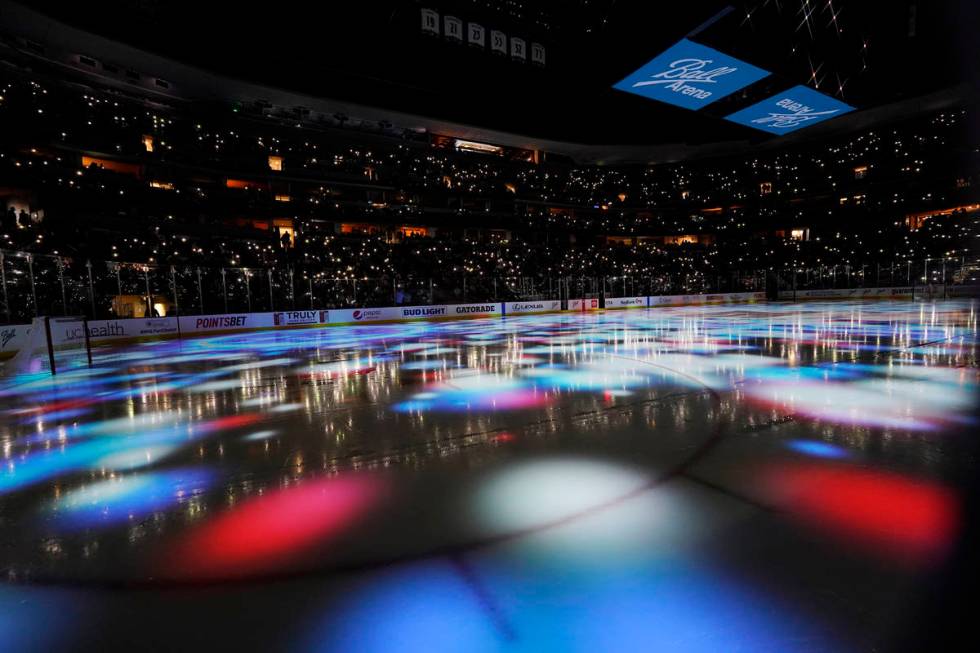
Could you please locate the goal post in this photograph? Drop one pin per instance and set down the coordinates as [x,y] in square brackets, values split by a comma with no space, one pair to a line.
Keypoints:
[68,343]
[54,344]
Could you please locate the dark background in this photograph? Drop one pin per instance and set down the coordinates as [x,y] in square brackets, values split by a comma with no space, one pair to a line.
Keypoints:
[373,52]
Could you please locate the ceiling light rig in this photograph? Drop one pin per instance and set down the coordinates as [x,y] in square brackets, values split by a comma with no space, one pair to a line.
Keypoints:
[813,35]
[806,10]
[833,16]
[813,74]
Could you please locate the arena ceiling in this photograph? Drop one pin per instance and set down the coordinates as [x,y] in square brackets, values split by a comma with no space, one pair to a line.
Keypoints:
[373,52]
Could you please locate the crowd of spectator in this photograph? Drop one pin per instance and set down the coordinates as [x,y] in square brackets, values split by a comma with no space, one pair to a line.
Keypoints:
[100,180]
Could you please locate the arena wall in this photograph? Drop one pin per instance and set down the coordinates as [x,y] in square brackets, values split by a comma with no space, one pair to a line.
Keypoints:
[119,331]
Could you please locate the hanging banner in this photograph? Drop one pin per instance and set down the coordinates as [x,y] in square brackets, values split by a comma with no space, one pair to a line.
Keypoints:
[537,54]
[430,22]
[691,75]
[476,35]
[790,110]
[518,49]
[498,42]
[453,29]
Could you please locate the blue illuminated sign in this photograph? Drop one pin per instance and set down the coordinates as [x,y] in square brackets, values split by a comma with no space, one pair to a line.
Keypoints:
[691,75]
[790,110]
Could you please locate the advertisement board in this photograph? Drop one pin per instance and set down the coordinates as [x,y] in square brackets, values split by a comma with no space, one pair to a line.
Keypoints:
[12,338]
[474,310]
[722,298]
[690,75]
[857,293]
[397,313]
[356,315]
[583,304]
[540,306]
[228,322]
[626,302]
[421,312]
[719,298]
[676,300]
[114,330]
[295,318]
[790,110]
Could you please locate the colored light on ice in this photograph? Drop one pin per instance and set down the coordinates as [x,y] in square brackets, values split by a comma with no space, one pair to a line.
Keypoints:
[540,493]
[422,607]
[41,618]
[135,457]
[97,453]
[618,393]
[883,402]
[818,449]
[426,365]
[217,386]
[130,497]
[338,368]
[435,351]
[475,392]
[271,531]
[905,517]
[434,606]
[260,435]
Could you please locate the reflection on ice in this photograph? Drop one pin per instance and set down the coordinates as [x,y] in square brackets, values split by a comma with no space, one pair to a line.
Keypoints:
[516,464]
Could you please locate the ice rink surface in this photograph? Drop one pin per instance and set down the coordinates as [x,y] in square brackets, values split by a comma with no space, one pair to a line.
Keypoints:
[766,477]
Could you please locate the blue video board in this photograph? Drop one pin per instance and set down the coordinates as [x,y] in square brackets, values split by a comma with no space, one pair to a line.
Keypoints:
[690,75]
[790,110]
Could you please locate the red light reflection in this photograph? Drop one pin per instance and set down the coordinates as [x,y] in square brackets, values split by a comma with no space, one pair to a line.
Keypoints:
[269,532]
[903,517]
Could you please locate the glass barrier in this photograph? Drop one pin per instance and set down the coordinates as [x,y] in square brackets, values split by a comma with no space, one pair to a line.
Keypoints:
[35,284]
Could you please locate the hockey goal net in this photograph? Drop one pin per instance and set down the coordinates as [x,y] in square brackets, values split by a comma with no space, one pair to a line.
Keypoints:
[54,345]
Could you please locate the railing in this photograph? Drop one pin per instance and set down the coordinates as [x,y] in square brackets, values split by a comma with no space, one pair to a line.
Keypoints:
[938,271]
[37,284]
